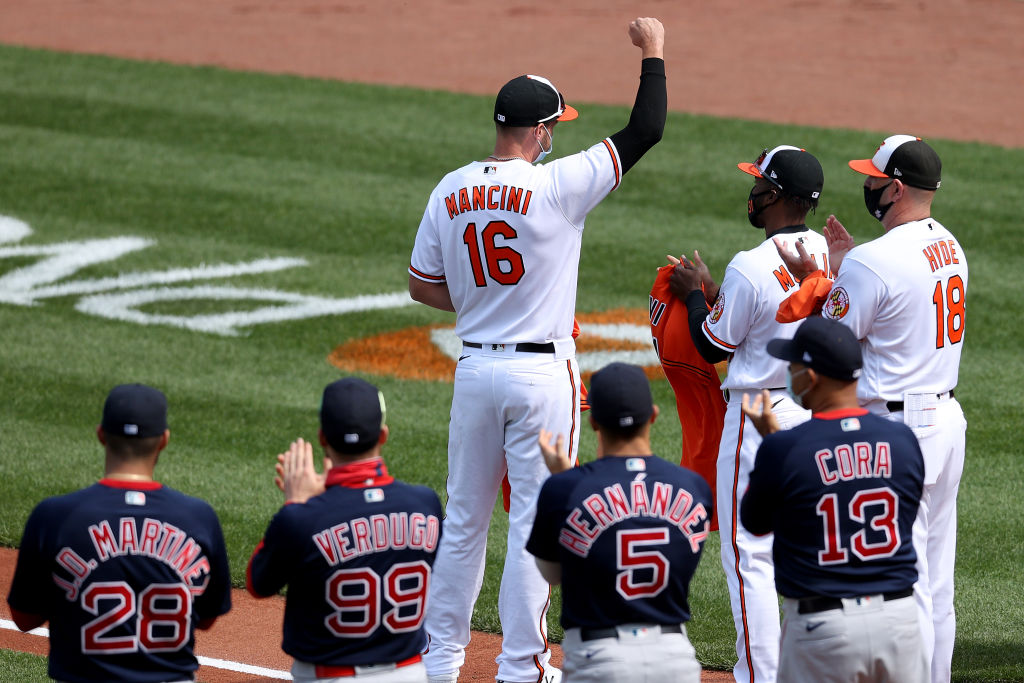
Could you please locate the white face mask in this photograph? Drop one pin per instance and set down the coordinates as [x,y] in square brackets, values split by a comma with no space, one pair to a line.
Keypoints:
[797,398]
[545,152]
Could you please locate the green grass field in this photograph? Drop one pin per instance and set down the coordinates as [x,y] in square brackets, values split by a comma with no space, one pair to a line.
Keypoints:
[217,167]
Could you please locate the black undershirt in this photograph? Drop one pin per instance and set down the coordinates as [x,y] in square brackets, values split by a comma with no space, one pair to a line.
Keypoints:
[647,120]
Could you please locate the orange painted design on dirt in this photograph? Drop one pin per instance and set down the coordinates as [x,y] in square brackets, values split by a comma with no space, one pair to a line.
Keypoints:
[410,354]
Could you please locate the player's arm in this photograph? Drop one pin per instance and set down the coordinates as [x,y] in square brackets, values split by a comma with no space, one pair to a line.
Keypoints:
[758,505]
[647,120]
[551,571]
[434,294]
[26,621]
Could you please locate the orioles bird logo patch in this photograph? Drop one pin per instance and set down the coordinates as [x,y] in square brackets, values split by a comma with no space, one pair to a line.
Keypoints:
[716,312]
[838,304]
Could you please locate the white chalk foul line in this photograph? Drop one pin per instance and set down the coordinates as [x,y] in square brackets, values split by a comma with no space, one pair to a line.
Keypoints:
[204,661]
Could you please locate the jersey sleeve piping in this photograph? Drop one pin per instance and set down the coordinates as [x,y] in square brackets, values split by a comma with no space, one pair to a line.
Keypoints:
[427,278]
[615,162]
[720,343]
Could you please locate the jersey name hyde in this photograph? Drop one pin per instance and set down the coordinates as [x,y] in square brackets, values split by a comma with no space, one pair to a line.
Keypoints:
[157,540]
[604,510]
[378,533]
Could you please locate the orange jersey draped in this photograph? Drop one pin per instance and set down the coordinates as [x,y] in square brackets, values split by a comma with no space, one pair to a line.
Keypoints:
[695,382]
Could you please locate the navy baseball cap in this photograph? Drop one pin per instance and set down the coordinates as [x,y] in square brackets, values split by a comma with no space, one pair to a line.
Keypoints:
[529,100]
[793,170]
[135,410]
[826,346]
[905,158]
[620,396]
[352,415]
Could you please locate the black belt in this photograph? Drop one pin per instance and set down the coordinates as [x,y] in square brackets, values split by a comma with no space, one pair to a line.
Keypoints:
[598,633]
[522,346]
[897,406]
[812,605]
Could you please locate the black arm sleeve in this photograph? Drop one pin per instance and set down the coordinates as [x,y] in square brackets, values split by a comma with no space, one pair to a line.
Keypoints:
[647,120]
[697,313]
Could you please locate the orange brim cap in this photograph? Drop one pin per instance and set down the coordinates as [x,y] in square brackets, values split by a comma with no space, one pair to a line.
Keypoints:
[867,167]
[569,114]
[750,168]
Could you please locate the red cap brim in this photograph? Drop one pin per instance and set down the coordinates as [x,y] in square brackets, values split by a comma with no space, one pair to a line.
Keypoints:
[569,114]
[866,167]
[750,168]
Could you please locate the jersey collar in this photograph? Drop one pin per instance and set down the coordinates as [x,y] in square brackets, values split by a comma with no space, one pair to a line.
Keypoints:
[134,485]
[841,413]
[358,475]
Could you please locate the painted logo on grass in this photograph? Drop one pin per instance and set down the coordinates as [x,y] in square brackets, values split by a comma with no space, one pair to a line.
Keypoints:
[430,353]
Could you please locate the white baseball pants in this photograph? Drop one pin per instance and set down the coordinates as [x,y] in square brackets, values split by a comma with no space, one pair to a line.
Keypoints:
[502,399]
[746,558]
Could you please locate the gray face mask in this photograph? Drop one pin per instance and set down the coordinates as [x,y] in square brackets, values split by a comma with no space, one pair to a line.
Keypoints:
[551,146]
[797,398]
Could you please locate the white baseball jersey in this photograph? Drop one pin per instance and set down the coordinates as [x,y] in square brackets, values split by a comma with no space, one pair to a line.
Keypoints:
[506,238]
[742,320]
[904,296]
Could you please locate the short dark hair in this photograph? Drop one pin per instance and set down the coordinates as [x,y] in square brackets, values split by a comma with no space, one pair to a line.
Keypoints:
[802,203]
[622,433]
[131,447]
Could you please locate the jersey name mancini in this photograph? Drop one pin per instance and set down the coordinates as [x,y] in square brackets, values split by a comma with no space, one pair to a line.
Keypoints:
[601,511]
[157,540]
[377,534]
[488,198]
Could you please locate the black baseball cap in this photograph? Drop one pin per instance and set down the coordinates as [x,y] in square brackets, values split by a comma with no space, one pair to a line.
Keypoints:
[791,169]
[826,346]
[135,410]
[529,100]
[620,396]
[352,415]
[905,158]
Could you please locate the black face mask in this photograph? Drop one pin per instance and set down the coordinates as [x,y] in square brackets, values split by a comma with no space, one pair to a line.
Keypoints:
[754,214]
[873,198]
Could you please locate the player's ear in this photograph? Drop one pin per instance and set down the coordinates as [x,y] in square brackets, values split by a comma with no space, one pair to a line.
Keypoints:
[654,414]
[164,440]
[101,435]
[383,438]
[593,423]
[321,438]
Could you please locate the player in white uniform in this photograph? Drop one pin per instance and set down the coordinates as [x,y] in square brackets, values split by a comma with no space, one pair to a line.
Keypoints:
[904,295]
[742,322]
[499,244]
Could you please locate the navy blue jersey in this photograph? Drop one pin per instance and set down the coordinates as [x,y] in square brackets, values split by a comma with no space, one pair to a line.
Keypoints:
[841,493]
[628,533]
[123,571]
[356,560]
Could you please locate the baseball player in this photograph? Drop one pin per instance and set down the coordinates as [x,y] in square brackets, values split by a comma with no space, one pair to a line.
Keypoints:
[694,381]
[788,183]
[499,244]
[355,547]
[628,529]
[126,569]
[840,493]
[904,296]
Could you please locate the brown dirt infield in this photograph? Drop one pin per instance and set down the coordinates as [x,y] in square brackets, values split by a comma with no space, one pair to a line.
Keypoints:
[944,68]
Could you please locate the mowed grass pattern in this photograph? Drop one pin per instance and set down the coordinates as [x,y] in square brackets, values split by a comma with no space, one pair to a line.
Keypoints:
[226,167]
